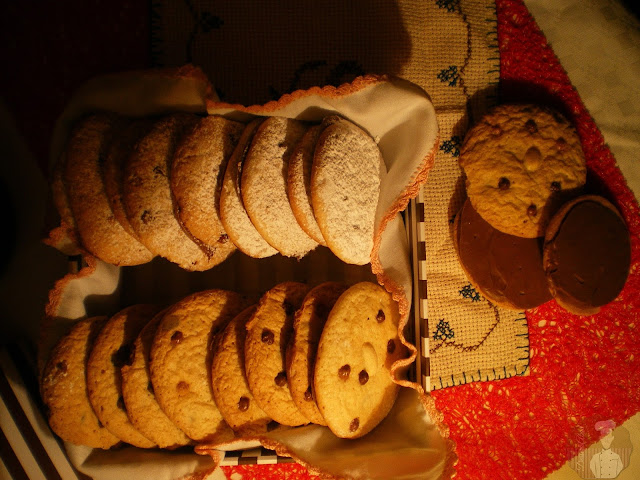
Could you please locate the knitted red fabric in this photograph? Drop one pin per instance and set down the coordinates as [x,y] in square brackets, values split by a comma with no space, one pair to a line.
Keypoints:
[279,471]
[582,369]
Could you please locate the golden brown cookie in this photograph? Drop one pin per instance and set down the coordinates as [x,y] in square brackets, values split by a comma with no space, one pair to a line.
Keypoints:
[64,388]
[301,351]
[125,136]
[299,183]
[229,380]
[587,254]
[147,195]
[264,186]
[268,333]
[521,163]
[345,186]
[506,269]
[233,215]
[352,379]
[197,171]
[181,361]
[112,350]
[100,233]
[137,390]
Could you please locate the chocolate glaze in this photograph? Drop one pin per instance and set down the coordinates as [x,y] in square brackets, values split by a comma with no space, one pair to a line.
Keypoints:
[507,269]
[588,258]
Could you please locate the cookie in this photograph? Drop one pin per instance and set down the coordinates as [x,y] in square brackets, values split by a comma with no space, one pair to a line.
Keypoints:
[264,186]
[233,215]
[111,350]
[302,348]
[587,254]
[521,163]
[345,186]
[197,171]
[229,381]
[268,333]
[148,199]
[69,242]
[137,391]
[64,388]
[299,183]
[99,231]
[359,343]
[506,269]
[124,139]
[181,362]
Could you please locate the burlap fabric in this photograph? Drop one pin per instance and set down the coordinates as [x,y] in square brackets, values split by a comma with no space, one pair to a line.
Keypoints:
[447,47]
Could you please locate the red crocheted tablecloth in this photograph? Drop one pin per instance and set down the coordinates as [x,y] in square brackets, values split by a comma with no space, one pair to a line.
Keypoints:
[583,369]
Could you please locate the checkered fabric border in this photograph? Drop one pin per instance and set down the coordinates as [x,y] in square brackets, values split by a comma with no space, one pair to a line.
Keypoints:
[254,456]
[415,228]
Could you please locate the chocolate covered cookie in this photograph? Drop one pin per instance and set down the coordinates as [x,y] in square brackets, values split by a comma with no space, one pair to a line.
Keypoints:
[505,268]
[587,254]
[521,163]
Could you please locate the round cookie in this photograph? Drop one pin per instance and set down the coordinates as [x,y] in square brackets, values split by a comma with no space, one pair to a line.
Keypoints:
[64,388]
[268,333]
[299,183]
[587,254]
[100,233]
[68,243]
[301,351]
[197,171]
[521,163]
[111,350]
[181,362]
[148,200]
[506,269]
[264,186]
[124,139]
[352,379]
[345,186]
[233,215]
[141,404]
[229,381]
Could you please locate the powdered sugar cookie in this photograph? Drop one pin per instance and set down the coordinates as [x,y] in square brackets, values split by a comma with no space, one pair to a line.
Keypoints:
[264,186]
[345,185]
[197,171]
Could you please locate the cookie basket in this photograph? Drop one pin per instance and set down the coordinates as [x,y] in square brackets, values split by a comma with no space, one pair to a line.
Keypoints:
[391,111]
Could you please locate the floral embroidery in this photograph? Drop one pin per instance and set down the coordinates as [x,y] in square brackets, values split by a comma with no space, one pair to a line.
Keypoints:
[469,292]
[450,76]
[443,331]
[452,146]
[449,5]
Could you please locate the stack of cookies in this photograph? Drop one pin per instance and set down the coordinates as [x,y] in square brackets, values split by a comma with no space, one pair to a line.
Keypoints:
[193,189]
[527,232]
[218,365]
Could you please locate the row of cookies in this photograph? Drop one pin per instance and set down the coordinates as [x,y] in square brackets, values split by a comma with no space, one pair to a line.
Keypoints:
[193,189]
[218,365]
[528,232]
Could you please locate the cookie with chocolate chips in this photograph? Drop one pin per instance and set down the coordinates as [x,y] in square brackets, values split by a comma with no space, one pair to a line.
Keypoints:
[111,351]
[229,380]
[268,333]
[521,163]
[359,343]
[181,361]
[64,388]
